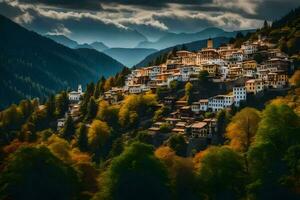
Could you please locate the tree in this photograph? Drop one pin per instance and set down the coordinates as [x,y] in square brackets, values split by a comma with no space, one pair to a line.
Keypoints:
[266,25]
[35,173]
[189,92]
[68,131]
[62,103]
[181,172]
[82,138]
[91,109]
[98,136]
[174,86]
[136,174]
[242,129]
[203,76]
[277,132]
[50,107]
[223,118]
[221,173]
[178,144]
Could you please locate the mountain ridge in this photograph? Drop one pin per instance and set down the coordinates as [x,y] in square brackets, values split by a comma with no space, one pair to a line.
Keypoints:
[32,65]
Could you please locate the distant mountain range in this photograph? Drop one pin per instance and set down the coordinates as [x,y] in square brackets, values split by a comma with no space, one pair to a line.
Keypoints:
[129,56]
[172,39]
[62,39]
[192,46]
[35,66]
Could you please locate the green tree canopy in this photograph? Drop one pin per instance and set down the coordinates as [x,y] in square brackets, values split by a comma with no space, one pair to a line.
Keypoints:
[35,173]
[136,174]
[221,174]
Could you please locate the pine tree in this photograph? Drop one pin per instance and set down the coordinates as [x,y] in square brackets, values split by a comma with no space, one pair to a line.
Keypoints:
[91,109]
[82,141]
[50,106]
[69,129]
[62,104]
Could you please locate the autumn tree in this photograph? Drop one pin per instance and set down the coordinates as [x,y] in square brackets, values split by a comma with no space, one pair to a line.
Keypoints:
[181,172]
[98,136]
[189,92]
[35,173]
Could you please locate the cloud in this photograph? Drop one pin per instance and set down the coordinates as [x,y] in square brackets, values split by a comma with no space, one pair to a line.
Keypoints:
[60,30]
[89,19]
[24,18]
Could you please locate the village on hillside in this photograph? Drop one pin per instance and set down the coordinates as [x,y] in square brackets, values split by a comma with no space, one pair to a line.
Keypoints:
[237,73]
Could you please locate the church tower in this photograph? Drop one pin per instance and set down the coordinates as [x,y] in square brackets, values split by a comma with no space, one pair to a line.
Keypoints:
[79,89]
[210,43]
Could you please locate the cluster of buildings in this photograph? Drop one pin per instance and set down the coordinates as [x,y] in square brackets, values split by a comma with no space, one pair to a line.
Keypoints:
[223,64]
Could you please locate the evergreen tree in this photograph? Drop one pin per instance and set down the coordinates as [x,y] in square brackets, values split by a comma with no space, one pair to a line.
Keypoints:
[62,103]
[50,106]
[82,140]
[91,109]
[69,129]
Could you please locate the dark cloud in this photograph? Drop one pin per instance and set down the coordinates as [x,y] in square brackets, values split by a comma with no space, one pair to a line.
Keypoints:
[93,5]
[123,22]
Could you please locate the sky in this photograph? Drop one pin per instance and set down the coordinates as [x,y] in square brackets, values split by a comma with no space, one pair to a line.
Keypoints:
[114,20]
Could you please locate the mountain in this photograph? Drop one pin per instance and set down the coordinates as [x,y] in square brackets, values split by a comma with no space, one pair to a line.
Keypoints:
[129,56]
[103,64]
[35,66]
[85,45]
[61,39]
[172,39]
[99,46]
[192,46]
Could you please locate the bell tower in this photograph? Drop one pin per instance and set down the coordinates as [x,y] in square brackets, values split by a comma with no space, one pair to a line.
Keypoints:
[210,43]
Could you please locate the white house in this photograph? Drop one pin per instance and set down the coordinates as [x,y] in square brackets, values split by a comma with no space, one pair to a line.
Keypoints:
[220,102]
[239,94]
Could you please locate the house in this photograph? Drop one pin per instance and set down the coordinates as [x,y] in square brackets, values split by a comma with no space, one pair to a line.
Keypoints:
[239,94]
[199,129]
[220,102]
[212,125]
[61,123]
[180,128]
[279,64]
[200,106]
[254,86]
[277,79]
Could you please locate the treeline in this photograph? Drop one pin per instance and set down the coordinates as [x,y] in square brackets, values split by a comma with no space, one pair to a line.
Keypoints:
[260,161]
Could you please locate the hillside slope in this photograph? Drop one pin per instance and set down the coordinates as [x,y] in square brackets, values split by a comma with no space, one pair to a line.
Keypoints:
[35,66]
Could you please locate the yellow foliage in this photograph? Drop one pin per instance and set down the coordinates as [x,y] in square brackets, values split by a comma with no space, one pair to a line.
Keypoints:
[98,133]
[242,129]
[295,79]
[164,152]
[59,147]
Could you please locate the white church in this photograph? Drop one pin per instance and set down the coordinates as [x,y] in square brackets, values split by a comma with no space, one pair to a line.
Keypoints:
[75,96]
